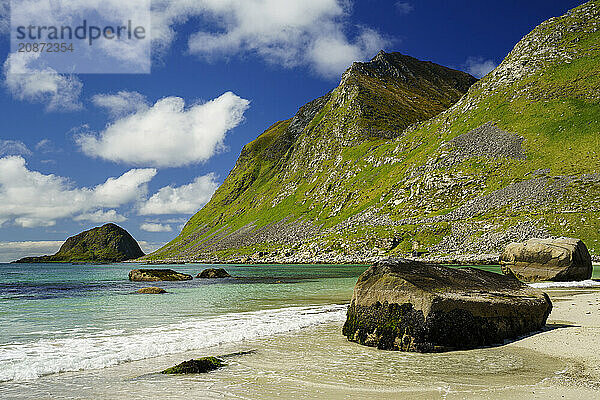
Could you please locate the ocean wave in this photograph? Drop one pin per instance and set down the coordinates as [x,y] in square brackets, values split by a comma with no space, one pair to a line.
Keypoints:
[575,284]
[26,361]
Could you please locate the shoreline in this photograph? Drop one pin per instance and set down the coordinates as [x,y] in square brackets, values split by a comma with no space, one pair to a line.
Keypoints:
[573,331]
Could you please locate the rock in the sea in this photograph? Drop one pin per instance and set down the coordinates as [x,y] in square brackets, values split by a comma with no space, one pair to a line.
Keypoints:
[155,275]
[198,366]
[407,305]
[562,259]
[105,244]
[211,273]
[151,290]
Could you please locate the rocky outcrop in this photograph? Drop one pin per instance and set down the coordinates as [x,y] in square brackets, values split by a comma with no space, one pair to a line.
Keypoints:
[151,290]
[398,154]
[107,243]
[562,259]
[212,273]
[406,305]
[199,366]
[156,275]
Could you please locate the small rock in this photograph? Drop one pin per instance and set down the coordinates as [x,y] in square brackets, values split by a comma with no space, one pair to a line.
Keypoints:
[155,275]
[151,290]
[212,273]
[199,366]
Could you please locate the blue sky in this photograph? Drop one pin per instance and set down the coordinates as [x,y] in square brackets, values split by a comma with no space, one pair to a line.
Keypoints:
[224,71]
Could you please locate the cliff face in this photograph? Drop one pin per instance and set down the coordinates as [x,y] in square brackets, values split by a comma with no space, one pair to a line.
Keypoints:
[409,155]
[107,243]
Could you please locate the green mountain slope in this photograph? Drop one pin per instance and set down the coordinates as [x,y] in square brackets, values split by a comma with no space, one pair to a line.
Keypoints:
[397,159]
[107,243]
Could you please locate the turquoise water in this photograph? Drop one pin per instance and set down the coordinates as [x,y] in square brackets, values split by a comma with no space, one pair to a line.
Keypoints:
[62,317]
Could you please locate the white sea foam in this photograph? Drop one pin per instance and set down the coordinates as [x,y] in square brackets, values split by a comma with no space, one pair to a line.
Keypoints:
[26,361]
[576,284]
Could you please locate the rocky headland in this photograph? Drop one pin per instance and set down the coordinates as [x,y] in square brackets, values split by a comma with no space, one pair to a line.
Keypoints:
[105,244]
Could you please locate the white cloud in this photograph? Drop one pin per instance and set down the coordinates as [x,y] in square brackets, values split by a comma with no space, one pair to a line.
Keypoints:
[101,216]
[58,92]
[152,227]
[404,7]
[186,199]
[168,134]
[332,53]
[479,67]
[46,146]
[150,247]
[284,32]
[11,251]
[121,103]
[32,199]
[13,148]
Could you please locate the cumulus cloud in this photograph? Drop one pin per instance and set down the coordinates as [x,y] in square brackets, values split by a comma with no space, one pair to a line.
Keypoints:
[153,227]
[186,199]
[404,7]
[168,134]
[150,247]
[479,67]
[11,251]
[31,199]
[121,103]
[13,148]
[285,32]
[58,92]
[101,216]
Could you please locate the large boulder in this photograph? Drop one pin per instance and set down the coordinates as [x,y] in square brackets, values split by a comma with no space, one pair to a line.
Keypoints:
[212,273]
[412,306]
[155,275]
[562,259]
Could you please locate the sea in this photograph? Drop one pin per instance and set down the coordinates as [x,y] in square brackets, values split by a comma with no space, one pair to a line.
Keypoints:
[82,332]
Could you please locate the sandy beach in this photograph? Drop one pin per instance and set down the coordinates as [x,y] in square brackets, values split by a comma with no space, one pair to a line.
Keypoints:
[298,350]
[573,335]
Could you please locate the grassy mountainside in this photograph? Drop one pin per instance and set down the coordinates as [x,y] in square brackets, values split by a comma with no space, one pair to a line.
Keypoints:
[107,243]
[397,159]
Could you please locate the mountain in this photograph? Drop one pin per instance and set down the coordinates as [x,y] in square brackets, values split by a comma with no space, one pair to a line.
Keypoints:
[107,243]
[408,155]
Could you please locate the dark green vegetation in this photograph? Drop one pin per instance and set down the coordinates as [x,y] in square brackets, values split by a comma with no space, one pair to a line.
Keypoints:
[397,159]
[199,366]
[411,306]
[104,244]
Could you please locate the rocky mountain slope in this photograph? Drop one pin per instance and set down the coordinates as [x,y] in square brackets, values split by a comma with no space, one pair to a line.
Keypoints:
[107,243]
[398,158]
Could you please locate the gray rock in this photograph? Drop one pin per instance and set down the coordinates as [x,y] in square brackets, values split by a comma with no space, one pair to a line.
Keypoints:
[406,305]
[212,273]
[562,259]
[155,275]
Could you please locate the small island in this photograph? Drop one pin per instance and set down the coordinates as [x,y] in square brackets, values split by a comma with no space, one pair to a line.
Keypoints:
[104,244]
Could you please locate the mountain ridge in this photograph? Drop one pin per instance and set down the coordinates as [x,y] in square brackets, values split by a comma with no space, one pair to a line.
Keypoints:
[386,163]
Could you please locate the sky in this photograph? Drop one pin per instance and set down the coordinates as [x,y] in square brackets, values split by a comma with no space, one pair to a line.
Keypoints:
[147,150]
